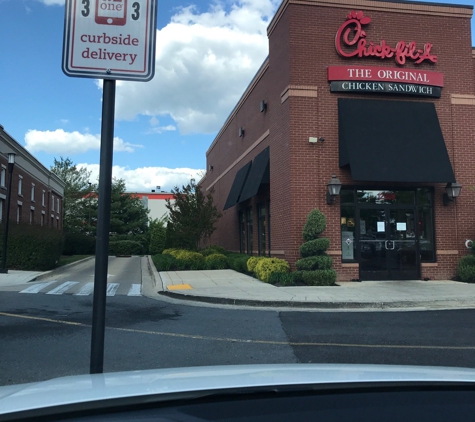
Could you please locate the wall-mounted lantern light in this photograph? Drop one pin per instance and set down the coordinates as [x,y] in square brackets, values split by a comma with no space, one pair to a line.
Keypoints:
[452,191]
[263,106]
[241,132]
[333,189]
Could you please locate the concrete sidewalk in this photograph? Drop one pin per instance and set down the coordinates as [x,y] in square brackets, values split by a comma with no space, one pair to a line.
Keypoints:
[230,287]
[233,288]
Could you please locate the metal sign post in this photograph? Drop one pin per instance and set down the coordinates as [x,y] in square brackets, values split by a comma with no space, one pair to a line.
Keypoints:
[110,40]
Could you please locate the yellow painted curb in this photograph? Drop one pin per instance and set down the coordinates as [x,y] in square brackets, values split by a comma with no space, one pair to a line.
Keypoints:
[180,287]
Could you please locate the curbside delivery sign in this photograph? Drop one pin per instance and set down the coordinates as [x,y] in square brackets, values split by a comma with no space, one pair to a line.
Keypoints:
[110,39]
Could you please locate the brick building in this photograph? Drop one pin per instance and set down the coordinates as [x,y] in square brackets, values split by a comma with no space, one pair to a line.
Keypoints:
[37,194]
[379,94]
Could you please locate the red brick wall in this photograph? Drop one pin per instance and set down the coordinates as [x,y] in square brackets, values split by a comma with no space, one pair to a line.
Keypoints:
[26,201]
[301,47]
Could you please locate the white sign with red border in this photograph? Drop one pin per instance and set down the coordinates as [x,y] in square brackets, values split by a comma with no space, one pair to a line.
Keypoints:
[110,39]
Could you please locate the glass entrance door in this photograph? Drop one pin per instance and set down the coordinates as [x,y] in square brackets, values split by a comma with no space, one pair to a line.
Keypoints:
[387,244]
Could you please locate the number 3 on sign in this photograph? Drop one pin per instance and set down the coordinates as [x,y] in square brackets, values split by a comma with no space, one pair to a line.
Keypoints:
[111,12]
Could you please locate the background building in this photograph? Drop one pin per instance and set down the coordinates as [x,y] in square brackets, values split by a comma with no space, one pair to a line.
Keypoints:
[379,94]
[37,194]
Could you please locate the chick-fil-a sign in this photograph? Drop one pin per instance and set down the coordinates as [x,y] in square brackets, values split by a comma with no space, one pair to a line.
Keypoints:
[350,41]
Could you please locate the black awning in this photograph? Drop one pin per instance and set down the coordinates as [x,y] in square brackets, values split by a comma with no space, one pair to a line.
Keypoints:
[237,186]
[392,141]
[258,175]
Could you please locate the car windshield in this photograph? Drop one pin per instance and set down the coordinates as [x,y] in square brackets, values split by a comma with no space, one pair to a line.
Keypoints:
[191,183]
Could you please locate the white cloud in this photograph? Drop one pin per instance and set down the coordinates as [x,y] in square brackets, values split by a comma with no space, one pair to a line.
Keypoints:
[145,179]
[71,143]
[52,2]
[204,63]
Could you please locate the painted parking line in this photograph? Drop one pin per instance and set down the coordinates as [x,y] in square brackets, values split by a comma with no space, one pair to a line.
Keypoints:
[86,290]
[112,288]
[135,290]
[62,288]
[37,287]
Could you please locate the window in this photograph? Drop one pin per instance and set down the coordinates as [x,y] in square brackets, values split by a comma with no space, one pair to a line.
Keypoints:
[18,214]
[33,192]
[42,219]
[57,204]
[242,232]
[249,231]
[262,230]
[20,185]
[43,198]
[32,216]
[52,202]
[3,175]
[1,209]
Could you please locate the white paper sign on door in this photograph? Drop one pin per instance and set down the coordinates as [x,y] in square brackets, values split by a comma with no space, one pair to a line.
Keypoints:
[381,227]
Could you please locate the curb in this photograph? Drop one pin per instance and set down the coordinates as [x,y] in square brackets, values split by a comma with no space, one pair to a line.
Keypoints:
[46,274]
[437,304]
[157,280]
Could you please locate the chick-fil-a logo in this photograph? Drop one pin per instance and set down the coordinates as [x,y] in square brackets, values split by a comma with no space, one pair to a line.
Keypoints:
[353,37]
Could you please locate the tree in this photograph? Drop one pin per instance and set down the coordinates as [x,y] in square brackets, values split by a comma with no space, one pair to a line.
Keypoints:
[128,215]
[77,193]
[192,216]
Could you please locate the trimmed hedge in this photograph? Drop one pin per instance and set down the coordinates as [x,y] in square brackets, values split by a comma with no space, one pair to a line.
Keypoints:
[164,262]
[314,247]
[252,262]
[316,223]
[210,250]
[32,247]
[79,244]
[238,262]
[266,266]
[284,279]
[125,247]
[467,261]
[216,261]
[316,278]
[467,273]
[316,262]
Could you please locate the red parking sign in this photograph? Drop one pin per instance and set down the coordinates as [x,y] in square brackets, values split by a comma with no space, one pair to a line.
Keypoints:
[110,39]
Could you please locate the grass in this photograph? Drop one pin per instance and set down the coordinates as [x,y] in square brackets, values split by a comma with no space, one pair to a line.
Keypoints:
[68,259]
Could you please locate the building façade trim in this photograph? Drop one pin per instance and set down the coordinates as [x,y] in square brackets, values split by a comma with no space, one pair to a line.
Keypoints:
[238,160]
[398,7]
[462,99]
[298,91]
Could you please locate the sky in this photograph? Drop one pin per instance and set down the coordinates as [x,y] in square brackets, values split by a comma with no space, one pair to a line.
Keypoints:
[207,52]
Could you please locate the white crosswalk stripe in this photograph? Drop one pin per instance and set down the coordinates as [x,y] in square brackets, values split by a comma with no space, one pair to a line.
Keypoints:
[62,288]
[86,290]
[135,290]
[112,288]
[37,287]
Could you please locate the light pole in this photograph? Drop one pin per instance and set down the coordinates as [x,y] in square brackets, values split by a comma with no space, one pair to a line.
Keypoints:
[11,164]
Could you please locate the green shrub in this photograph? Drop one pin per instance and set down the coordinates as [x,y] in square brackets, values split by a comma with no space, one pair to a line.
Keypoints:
[174,252]
[252,262]
[316,262]
[210,250]
[315,225]
[265,267]
[284,279]
[466,273]
[32,247]
[316,278]
[164,262]
[238,262]
[467,261]
[314,247]
[79,244]
[216,261]
[193,260]
[125,247]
